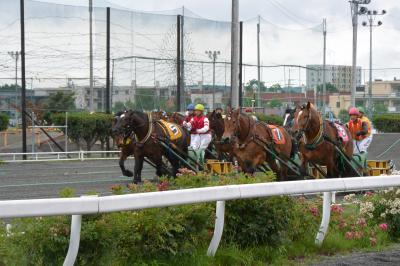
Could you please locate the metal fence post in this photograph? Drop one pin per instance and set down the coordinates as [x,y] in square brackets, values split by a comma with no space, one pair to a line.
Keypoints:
[218,229]
[326,214]
[75,237]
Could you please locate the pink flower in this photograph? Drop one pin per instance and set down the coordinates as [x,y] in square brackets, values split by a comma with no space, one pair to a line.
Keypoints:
[361,222]
[372,240]
[383,226]
[314,211]
[368,193]
[336,209]
[358,235]
[162,186]
[349,235]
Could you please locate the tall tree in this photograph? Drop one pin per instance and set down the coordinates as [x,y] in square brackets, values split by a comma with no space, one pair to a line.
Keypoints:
[330,88]
[60,102]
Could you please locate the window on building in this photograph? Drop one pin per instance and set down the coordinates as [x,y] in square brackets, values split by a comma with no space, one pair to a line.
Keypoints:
[337,104]
[126,92]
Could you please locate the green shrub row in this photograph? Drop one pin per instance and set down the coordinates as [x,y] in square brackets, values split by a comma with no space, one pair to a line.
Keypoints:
[3,122]
[270,119]
[388,123]
[85,127]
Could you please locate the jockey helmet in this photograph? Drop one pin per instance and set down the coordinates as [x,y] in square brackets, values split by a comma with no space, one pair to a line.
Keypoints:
[199,107]
[361,109]
[354,111]
[190,107]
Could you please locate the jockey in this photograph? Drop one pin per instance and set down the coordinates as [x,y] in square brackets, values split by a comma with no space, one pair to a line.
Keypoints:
[200,132]
[360,131]
[189,114]
[364,118]
[249,112]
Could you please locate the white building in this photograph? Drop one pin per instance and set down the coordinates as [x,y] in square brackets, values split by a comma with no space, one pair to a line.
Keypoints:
[338,75]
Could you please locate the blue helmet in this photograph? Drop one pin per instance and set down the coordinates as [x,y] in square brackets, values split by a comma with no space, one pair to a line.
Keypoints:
[190,107]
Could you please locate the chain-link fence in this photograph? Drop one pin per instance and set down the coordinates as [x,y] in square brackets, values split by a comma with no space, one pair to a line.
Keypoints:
[144,59]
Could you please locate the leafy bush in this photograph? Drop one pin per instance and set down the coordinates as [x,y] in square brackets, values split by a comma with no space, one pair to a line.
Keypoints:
[85,127]
[388,123]
[3,122]
[270,119]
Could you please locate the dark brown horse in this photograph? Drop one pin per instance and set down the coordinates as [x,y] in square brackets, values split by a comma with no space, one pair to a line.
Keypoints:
[313,133]
[127,148]
[146,134]
[250,136]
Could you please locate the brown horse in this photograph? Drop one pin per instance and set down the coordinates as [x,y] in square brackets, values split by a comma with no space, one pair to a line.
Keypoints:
[313,133]
[217,127]
[250,137]
[146,134]
[176,118]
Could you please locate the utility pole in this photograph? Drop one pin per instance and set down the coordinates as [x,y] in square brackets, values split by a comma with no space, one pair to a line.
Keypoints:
[371,19]
[23,81]
[183,90]
[355,11]
[235,54]
[258,65]
[91,107]
[15,55]
[213,56]
[324,70]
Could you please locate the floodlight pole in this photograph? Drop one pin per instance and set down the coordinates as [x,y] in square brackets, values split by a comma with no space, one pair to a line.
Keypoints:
[371,18]
[355,11]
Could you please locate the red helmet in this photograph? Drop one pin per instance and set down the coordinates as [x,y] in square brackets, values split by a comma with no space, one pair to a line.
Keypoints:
[354,111]
[248,110]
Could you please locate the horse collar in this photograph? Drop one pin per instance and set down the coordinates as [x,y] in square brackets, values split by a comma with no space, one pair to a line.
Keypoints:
[318,139]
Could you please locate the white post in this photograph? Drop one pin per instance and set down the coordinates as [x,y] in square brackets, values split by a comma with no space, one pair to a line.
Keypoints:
[326,214]
[218,229]
[66,131]
[74,240]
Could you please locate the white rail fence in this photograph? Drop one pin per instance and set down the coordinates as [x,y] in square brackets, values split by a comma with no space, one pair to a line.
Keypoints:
[93,204]
[58,156]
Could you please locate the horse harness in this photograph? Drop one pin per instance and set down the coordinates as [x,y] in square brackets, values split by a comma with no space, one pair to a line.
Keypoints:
[318,139]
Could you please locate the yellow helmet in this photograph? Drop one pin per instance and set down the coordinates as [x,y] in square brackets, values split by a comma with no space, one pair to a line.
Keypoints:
[199,107]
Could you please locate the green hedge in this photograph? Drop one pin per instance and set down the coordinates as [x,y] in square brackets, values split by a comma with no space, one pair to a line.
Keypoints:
[270,119]
[3,122]
[85,127]
[152,235]
[388,123]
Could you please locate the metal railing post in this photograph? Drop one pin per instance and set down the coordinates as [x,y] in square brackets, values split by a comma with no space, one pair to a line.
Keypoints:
[218,229]
[326,214]
[74,239]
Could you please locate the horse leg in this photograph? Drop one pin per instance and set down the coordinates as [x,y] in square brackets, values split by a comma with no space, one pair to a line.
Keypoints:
[138,169]
[275,168]
[122,160]
[303,167]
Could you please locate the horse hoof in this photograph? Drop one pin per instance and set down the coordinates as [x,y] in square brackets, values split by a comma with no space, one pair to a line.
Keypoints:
[128,173]
[137,182]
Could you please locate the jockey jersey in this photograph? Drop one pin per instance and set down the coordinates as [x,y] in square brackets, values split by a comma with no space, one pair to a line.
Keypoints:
[200,125]
[359,129]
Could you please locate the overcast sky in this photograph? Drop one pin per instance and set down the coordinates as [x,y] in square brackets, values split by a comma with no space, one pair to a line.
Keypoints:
[290,32]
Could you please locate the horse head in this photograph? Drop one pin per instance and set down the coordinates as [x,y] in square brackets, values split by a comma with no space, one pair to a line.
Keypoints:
[117,128]
[236,126]
[306,118]
[216,123]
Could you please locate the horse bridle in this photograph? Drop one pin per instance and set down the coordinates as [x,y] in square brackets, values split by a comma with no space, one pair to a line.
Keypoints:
[237,132]
[129,130]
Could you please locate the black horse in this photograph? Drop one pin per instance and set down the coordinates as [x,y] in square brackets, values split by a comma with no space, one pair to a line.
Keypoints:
[143,135]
